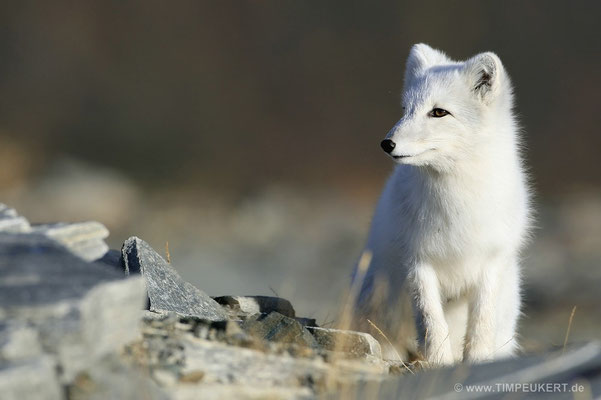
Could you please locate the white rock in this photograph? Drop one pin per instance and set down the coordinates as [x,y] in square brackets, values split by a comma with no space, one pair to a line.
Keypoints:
[18,341]
[30,379]
[84,239]
[12,222]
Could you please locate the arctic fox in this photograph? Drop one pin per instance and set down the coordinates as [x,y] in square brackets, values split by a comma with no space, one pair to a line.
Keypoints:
[452,219]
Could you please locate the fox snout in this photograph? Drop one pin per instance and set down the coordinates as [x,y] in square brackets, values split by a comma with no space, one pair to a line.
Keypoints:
[388,145]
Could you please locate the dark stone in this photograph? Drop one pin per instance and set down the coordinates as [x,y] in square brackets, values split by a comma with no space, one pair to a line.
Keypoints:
[307,322]
[167,291]
[278,328]
[244,306]
[113,259]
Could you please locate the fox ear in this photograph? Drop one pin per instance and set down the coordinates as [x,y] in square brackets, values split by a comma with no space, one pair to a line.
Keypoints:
[484,73]
[422,57]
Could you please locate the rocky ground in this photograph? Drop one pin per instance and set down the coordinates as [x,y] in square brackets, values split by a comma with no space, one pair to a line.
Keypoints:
[81,321]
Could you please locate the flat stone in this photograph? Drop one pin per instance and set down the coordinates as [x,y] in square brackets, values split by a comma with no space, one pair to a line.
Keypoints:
[358,344]
[231,366]
[577,365]
[278,328]
[112,378]
[167,291]
[30,379]
[215,366]
[84,239]
[80,310]
[244,306]
[241,392]
[12,222]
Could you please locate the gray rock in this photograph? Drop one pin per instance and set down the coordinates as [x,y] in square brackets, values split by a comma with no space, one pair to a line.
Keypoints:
[167,291]
[84,239]
[80,310]
[164,377]
[358,344]
[111,378]
[160,316]
[579,365]
[159,348]
[234,367]
[18,341]
[241,392]
[10,221]
[244,306]
[216,365]
[113,259]
[278,328]
[30,379]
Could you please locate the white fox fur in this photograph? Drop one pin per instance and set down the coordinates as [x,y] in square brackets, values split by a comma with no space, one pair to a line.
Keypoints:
[453,217]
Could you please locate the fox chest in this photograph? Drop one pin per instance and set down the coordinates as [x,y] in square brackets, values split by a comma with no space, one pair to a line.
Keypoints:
[449,233]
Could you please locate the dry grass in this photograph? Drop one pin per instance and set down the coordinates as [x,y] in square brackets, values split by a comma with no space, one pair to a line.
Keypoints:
[167,254]
[348,310]
[565,340]
[390,344]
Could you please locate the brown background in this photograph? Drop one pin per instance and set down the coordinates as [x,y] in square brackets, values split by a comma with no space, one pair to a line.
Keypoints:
[229,95]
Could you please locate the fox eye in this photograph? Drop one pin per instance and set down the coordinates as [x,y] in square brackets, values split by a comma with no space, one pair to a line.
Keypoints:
[438,113]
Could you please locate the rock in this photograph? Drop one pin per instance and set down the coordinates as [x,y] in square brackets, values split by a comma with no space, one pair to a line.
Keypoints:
[278,328]
[164,377]
[244,306]
[84,239]
[30,379]
[576,366]
[167,291]
[167,323]
[159,316]
[111,378]
[307,322]
[80,310]
[18,341]
[234,367]
[221,363]
[159,349]
[113,259]
[242,392]
[358,344]
[10,221]
[192,377]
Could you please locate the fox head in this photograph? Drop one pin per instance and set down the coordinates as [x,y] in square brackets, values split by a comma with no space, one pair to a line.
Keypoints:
[448,108]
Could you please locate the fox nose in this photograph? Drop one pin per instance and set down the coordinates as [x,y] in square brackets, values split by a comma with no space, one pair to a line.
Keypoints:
[388,145]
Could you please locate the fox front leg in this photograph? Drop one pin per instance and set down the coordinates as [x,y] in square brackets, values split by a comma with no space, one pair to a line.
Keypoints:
[432,328]
[480,337]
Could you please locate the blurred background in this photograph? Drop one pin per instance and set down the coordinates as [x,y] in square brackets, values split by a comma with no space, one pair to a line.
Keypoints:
[246,134]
